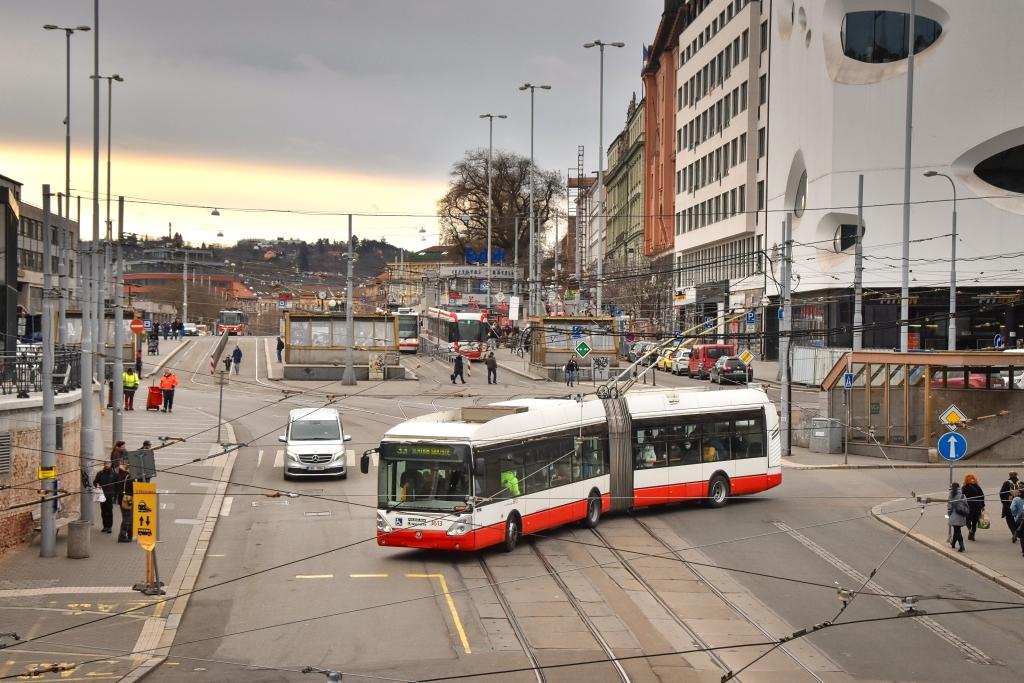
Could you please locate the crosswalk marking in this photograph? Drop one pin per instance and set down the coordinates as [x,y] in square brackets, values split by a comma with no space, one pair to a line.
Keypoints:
[225,508]
[259,458]
[279,458]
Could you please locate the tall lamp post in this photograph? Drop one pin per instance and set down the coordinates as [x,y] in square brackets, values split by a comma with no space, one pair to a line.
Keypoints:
[532,279]
[62,270]
[490,151]
[600,169]
[110,115]
[951,341]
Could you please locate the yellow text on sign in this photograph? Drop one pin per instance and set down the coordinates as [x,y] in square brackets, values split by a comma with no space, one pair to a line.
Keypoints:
[145,510]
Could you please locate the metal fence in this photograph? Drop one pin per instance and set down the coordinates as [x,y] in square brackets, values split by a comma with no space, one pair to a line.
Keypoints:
[810,364]
[21,375]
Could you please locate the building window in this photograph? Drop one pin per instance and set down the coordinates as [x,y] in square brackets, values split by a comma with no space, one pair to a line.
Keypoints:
[745,42]
[880,36]
[743,147]
[763,94]
[846,237]
[800,199]
[760,142]
[743,96]
[764,36]
[760,195]
[1004,170]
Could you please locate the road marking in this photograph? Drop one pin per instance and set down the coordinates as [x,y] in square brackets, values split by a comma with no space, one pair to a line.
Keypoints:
[212,555]
[259,458]
[451,606]
[279,458]
[969,651]
[314,576]
[367,576]
[225,507]
[188,521]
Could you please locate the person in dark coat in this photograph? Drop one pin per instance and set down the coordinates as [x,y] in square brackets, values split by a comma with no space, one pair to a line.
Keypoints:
[492,368]
[1006,494]
[957,511]
[124,489]
[571,368]
[458,368]
[105,479]
[975,502]
[280,348]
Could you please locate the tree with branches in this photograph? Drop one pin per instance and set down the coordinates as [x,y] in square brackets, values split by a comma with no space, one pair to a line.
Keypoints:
[463,208]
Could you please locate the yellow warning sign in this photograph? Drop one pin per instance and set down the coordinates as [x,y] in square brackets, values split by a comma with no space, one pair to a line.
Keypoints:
[145,511]
[746,357]
[952,417]
[48,472]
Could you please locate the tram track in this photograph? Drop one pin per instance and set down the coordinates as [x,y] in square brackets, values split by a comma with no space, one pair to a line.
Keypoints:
[714,590]
[513,621]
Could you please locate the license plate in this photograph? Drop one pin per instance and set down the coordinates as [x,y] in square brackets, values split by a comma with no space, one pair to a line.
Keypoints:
[316,468]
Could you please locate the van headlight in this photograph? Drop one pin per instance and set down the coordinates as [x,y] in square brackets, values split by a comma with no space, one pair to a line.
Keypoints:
[294,457]
[382,524]
[339,454]
[462,526]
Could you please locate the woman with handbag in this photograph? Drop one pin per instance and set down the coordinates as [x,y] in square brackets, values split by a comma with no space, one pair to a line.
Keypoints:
[105,485]
[957,511]
[975,502]
[125,489]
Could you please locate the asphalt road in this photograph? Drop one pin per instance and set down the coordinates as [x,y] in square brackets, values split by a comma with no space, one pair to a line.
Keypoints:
[290,582]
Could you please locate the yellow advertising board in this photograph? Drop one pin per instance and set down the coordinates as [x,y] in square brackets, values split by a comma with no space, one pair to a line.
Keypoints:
[145,510]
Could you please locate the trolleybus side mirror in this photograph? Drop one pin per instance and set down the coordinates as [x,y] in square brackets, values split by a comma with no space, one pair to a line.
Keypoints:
[364,462]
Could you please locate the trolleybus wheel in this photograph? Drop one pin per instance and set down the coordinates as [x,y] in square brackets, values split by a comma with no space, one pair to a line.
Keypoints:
[511,532]
[593,512]
[718,491]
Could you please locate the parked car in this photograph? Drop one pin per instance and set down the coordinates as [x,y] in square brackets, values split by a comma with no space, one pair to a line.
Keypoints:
[680,361]
[976,380]
[730,370]
[639,349]
[703,356]
[665,359]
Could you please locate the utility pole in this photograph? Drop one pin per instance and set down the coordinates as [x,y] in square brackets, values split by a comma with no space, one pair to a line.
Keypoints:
[349,377]
[515,258]
[184,281]
[785,328]
[118,417]
[48,438]
[908,133]
[858,271]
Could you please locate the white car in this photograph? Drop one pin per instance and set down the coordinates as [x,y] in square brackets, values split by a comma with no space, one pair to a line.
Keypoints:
[315,444]
[680,362]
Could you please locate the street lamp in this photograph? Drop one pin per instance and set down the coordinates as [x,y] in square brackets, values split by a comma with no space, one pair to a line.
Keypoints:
[951,341]
[600,168]
[62,268]
[490,150]
[534,270]
[110,114]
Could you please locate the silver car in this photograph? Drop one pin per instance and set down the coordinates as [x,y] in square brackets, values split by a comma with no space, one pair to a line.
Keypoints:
[315,444]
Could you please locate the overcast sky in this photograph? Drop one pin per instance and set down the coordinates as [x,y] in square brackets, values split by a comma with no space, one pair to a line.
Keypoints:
[311,104]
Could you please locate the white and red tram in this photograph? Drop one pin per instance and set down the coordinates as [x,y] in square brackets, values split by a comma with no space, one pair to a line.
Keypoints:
[473,477]
[462,332]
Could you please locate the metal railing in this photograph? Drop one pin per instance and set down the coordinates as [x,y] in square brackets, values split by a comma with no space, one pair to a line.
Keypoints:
[21,374]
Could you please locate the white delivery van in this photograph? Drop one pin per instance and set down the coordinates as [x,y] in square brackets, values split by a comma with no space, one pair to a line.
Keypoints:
[315,444]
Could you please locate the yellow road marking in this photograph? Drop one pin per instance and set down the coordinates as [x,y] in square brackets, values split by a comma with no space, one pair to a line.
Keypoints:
[367,576]
[314,576]
[451,606]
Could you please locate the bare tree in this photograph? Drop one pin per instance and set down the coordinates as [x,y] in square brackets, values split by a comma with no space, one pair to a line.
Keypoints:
[463,209]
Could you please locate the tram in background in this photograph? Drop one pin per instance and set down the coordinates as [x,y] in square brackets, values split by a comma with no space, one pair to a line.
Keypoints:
[408,330]
[233,322]
[473,477]
[462,332]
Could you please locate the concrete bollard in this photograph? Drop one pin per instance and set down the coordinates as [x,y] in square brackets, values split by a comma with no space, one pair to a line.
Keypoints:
[79,539]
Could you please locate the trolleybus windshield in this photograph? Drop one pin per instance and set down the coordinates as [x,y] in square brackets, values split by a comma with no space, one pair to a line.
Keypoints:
[423,476]
[470,331]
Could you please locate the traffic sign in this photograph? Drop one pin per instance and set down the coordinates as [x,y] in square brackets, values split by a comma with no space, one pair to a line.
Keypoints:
[499,297]
[751,317]
[847,381]
[145,511]
[709,322]
[148,324]
[952,417]
[577,331]
[997,341]
[952,446]
[781,313]
[583,349]
[137,326]
[48,472]
[746,357]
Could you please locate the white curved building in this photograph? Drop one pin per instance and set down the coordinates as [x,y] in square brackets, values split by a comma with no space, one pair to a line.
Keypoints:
[836,108]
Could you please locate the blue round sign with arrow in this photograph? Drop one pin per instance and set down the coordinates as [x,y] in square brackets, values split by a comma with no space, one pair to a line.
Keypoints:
[952,446]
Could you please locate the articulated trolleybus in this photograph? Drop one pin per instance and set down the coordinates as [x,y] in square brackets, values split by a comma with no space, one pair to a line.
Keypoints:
[232,322]
[462,332]
[408,330]
[473,477]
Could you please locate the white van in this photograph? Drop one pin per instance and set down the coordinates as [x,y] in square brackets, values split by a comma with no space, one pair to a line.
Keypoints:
[315,444]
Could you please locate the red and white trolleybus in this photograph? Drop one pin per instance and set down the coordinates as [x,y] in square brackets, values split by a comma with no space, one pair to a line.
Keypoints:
[473,477]
[462,332]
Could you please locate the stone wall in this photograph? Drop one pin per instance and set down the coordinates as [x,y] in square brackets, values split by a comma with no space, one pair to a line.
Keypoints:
[22,418]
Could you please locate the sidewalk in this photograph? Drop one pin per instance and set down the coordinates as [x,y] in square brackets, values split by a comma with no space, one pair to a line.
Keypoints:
[510,362]
[804,459]
[43,595]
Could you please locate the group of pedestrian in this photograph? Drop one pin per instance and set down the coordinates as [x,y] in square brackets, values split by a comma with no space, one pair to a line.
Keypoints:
[965,506]
[235,359]
[459,368]
[172,330]
[116,483]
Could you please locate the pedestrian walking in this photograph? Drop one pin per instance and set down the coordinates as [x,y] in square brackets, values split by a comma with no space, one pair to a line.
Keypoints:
[118,454]
[227,363]
[571,368]
[105,480]
[124,487]
[458,368]
[492,368]
[138,362]
[167,384]
[1017,514]
[166,327]
[130,382]
[957,511]
[236,358]
[1007,492]
[280,348]
[176,329]
[975,502]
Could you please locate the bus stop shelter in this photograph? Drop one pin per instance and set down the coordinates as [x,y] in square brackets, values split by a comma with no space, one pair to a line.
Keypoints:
[593,341]
[316,346]
[896,401]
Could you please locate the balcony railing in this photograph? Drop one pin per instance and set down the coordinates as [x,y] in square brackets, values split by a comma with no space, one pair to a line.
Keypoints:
[21,375]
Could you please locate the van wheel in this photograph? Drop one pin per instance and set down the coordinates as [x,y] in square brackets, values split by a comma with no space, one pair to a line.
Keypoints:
[593,512]
[512,532]
[718,491]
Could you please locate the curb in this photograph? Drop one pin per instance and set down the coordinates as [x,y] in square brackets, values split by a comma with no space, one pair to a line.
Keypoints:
[521,373]
[898,466]
[1001,579]
[270,362]
[184,342]
[158,633]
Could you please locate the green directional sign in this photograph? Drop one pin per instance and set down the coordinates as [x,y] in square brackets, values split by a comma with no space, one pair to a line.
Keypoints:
[583,348]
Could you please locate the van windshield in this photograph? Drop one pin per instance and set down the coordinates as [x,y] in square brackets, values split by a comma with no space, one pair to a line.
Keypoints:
[315,430]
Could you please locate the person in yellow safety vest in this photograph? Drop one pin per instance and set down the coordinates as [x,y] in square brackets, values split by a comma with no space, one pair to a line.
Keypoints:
[131,383]
[510,483]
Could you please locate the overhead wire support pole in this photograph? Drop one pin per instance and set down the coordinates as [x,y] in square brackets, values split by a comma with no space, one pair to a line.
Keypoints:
[490,204]
[785,330]
[118,398]
[349,377]
[858,271]
[48,438]
[908,140]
